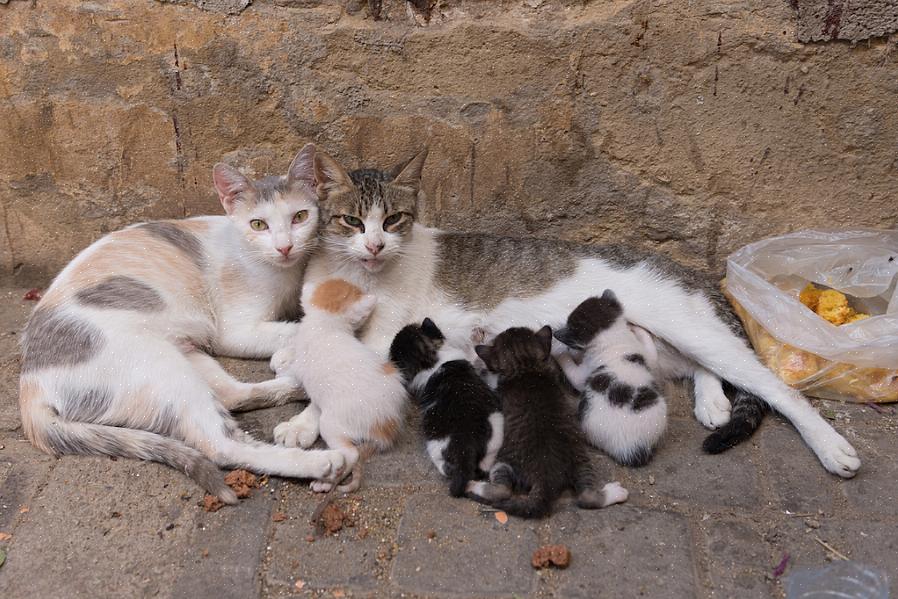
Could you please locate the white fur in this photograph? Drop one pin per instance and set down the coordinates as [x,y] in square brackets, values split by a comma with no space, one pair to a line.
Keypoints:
[435,449]
[349,390]
[686,321]
[614,493]
[497,428]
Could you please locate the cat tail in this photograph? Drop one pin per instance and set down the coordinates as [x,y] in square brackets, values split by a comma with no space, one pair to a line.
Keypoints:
[59,437]
[535,504]
[747,413]
[458,479]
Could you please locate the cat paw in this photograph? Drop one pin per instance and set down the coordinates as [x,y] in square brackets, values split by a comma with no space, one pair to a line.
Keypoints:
[615,493]
[835,453]
[296,432]
[319,486]
[281,361]
[326,466]
[712,415]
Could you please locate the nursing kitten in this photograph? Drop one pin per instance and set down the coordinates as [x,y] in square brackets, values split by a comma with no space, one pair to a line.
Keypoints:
[543,453]
[621,410]
[113,359]
[369,238]
[461,418]
[358,397]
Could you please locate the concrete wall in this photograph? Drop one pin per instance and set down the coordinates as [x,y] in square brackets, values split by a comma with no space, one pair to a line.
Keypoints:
[694,127]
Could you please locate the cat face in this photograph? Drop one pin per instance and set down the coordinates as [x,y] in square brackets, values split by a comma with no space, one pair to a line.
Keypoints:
[416,348]
[518,350]
[278,216]
[590,318]
[367,215]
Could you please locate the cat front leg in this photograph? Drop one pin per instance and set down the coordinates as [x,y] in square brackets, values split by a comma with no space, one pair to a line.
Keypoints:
[301,430]
[254,340]
[237,396]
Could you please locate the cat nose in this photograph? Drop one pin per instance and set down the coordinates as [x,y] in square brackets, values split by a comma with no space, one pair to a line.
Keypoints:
[374,248]
[286,250]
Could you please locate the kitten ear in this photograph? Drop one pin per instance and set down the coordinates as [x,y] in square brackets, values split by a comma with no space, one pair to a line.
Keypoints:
[302,169]
[565,336]
[409,173]
[330,176]
[229,183]
[429,328]
[610,296]
[486,354]
[544,335]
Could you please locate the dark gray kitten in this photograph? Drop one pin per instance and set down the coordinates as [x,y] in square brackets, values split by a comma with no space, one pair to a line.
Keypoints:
[544,452]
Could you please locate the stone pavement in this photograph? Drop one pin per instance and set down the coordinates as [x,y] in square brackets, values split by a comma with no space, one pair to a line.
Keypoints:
[695,525]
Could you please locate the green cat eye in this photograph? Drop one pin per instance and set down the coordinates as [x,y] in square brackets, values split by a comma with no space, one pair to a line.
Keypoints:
[300,216]
[352,221]
[392,219]
[257,224]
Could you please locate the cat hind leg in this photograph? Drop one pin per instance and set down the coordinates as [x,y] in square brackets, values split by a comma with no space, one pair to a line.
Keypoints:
[237,396]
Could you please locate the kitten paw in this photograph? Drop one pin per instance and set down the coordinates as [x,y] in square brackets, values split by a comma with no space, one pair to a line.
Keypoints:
[327,466]
[835,453]
[615,493]
[296,432]
[281,361]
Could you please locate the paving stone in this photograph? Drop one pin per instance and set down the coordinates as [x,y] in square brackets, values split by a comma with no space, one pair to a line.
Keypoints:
[23,469]
[624,551]
[739,559]
[683,472]
[100,527]
[875,488]
[353,558]
[797,481]
[469,552]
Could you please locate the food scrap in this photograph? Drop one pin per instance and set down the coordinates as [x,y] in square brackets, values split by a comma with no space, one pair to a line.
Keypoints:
[33,295]
[5,536]
[781,567]
[279,516]
[242,481]
[830,304]
[551,555]
[332,519]
[211,503]
[501,517]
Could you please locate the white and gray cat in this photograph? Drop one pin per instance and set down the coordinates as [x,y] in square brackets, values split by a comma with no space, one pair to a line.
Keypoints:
[469,279]
[113,356]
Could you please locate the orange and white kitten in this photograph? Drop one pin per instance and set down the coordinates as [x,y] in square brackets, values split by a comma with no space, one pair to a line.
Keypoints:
[356,397]
[114,359]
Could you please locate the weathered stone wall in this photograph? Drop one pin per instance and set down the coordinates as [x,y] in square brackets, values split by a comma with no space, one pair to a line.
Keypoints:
[694,127]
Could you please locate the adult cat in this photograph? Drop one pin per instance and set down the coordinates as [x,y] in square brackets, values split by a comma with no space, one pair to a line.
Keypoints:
[470,279]
[111,358]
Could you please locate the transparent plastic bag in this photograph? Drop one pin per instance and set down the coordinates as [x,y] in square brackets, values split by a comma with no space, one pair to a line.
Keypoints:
[856,361]
[846,580]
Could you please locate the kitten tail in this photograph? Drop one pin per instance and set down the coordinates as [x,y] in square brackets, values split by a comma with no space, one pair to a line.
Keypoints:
[63,437]
[536,504]
[746,416]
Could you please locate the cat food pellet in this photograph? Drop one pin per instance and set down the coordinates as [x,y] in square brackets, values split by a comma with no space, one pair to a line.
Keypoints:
[242,482]
[551,555]
[279,516]
[211,503]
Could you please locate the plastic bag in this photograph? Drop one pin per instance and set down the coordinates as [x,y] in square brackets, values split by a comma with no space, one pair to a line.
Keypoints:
[856,361]
[840,579]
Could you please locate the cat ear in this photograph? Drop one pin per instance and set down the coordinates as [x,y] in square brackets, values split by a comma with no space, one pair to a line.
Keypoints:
[330,176]
[544,335]
[486,354]
[567,337]
[429,328]
[302,169]
[409,174]
[609,296]
[229,183]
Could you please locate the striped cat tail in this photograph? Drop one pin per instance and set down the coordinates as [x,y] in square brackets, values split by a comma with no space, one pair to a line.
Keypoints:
[748,412]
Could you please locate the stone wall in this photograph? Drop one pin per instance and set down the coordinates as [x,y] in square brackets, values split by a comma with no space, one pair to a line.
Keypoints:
[693,127]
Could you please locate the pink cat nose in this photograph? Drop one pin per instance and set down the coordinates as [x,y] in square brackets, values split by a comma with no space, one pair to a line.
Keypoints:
[374,249]
[286,250]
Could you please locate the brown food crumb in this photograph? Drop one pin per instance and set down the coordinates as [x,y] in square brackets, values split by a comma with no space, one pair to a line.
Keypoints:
[310,538]
[33,295]
[242,482]
[5,536]
[211,503]
[332,519]
[116,514]
[279,516]
[363,533]
[551,555]
[205,553]
[431,534]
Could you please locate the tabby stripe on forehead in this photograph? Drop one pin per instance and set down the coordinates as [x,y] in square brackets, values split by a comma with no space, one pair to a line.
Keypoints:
[188,243]
[121,293]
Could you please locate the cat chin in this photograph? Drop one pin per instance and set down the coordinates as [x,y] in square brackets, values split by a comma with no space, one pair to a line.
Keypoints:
[373,265]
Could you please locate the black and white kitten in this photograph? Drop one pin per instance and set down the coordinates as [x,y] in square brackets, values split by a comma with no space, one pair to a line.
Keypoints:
[621,410]
[461,417]
[544,452]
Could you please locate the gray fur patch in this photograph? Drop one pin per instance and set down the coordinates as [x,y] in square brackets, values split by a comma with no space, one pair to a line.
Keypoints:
[121,293]
[55,339]
[269,188]
[86,405]
[481,270]
[189,244]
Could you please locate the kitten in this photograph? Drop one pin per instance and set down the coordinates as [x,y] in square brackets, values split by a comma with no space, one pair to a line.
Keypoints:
[544,452]
[358,397]
[461,418]
[114,358]
[621,410]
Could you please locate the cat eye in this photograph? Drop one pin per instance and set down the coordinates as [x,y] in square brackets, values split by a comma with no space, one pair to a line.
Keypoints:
[352,221]
[392,220]
[300,216]
[257,224]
